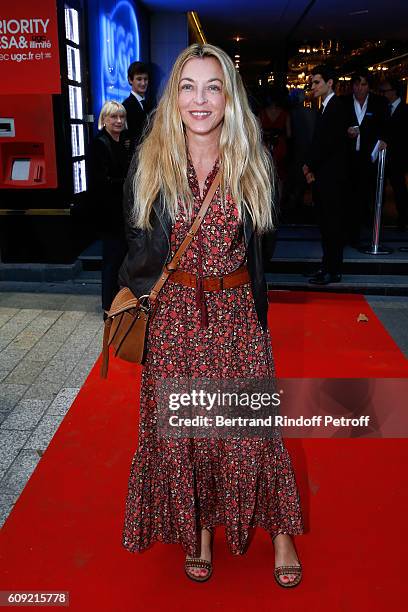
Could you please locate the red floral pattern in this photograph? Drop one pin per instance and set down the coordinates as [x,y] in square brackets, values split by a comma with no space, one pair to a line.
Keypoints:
[178,486]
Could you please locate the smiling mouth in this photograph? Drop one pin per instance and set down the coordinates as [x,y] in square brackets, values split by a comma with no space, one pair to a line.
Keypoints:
[200,114]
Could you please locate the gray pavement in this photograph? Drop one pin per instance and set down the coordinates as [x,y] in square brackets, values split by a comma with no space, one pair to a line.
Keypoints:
[50,337]
[48,345]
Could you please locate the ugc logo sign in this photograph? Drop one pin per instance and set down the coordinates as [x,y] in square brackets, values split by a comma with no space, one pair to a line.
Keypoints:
[119,35]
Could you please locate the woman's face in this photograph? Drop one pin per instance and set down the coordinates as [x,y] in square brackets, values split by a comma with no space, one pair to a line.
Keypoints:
[201,97]
[115,123]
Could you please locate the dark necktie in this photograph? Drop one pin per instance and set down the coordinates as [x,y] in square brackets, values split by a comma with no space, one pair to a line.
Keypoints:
[142,102]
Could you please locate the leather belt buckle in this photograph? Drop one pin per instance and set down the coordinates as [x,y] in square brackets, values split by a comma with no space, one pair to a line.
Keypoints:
[213,283]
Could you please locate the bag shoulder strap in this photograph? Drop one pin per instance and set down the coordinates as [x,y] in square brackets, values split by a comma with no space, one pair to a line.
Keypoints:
[174,263]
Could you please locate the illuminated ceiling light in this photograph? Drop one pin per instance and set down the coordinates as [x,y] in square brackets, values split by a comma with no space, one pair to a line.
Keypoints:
[236,55]
[362,12]
[371,67]
[237,38]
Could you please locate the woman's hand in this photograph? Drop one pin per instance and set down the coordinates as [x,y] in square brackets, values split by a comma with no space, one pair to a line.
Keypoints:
[308,174]
[353,131]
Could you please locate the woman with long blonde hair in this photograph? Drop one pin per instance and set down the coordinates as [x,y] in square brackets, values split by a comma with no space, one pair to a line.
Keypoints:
[209,321]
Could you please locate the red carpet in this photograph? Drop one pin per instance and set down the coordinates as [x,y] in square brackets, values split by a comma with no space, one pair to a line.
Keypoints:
[65,531]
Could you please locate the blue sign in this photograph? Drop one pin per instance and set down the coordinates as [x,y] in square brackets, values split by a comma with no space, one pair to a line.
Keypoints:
[115,42]
[119,41]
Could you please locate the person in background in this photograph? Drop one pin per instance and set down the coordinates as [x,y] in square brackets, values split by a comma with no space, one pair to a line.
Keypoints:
[136,104]
[303,121]
[108,168]
[276,128]
[276,132]
[396,133]
[325,168]
[365,127]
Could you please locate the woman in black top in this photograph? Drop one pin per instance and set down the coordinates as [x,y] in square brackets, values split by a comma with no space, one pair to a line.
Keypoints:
[108,168]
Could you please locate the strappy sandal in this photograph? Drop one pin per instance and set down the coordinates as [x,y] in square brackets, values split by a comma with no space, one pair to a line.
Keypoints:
[197,563]
[284,570]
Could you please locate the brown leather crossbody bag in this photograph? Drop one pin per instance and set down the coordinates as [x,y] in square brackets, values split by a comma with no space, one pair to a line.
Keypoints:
[127,320]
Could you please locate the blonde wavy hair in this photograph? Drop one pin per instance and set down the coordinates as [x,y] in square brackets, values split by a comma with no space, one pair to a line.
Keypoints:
[246,167]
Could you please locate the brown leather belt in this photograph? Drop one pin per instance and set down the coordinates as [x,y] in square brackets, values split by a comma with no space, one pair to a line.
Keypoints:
[212,283]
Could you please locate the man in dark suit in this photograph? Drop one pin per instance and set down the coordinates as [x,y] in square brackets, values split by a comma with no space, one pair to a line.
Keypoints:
[397,148]
[136,105]
[325,168]
[366,113]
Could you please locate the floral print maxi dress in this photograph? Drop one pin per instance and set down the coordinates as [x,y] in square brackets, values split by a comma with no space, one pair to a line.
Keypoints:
[178,486]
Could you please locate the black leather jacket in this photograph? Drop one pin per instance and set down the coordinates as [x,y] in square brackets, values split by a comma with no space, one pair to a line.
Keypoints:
[149,251]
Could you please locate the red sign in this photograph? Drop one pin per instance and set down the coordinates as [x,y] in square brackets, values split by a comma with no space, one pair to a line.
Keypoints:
[29,54]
